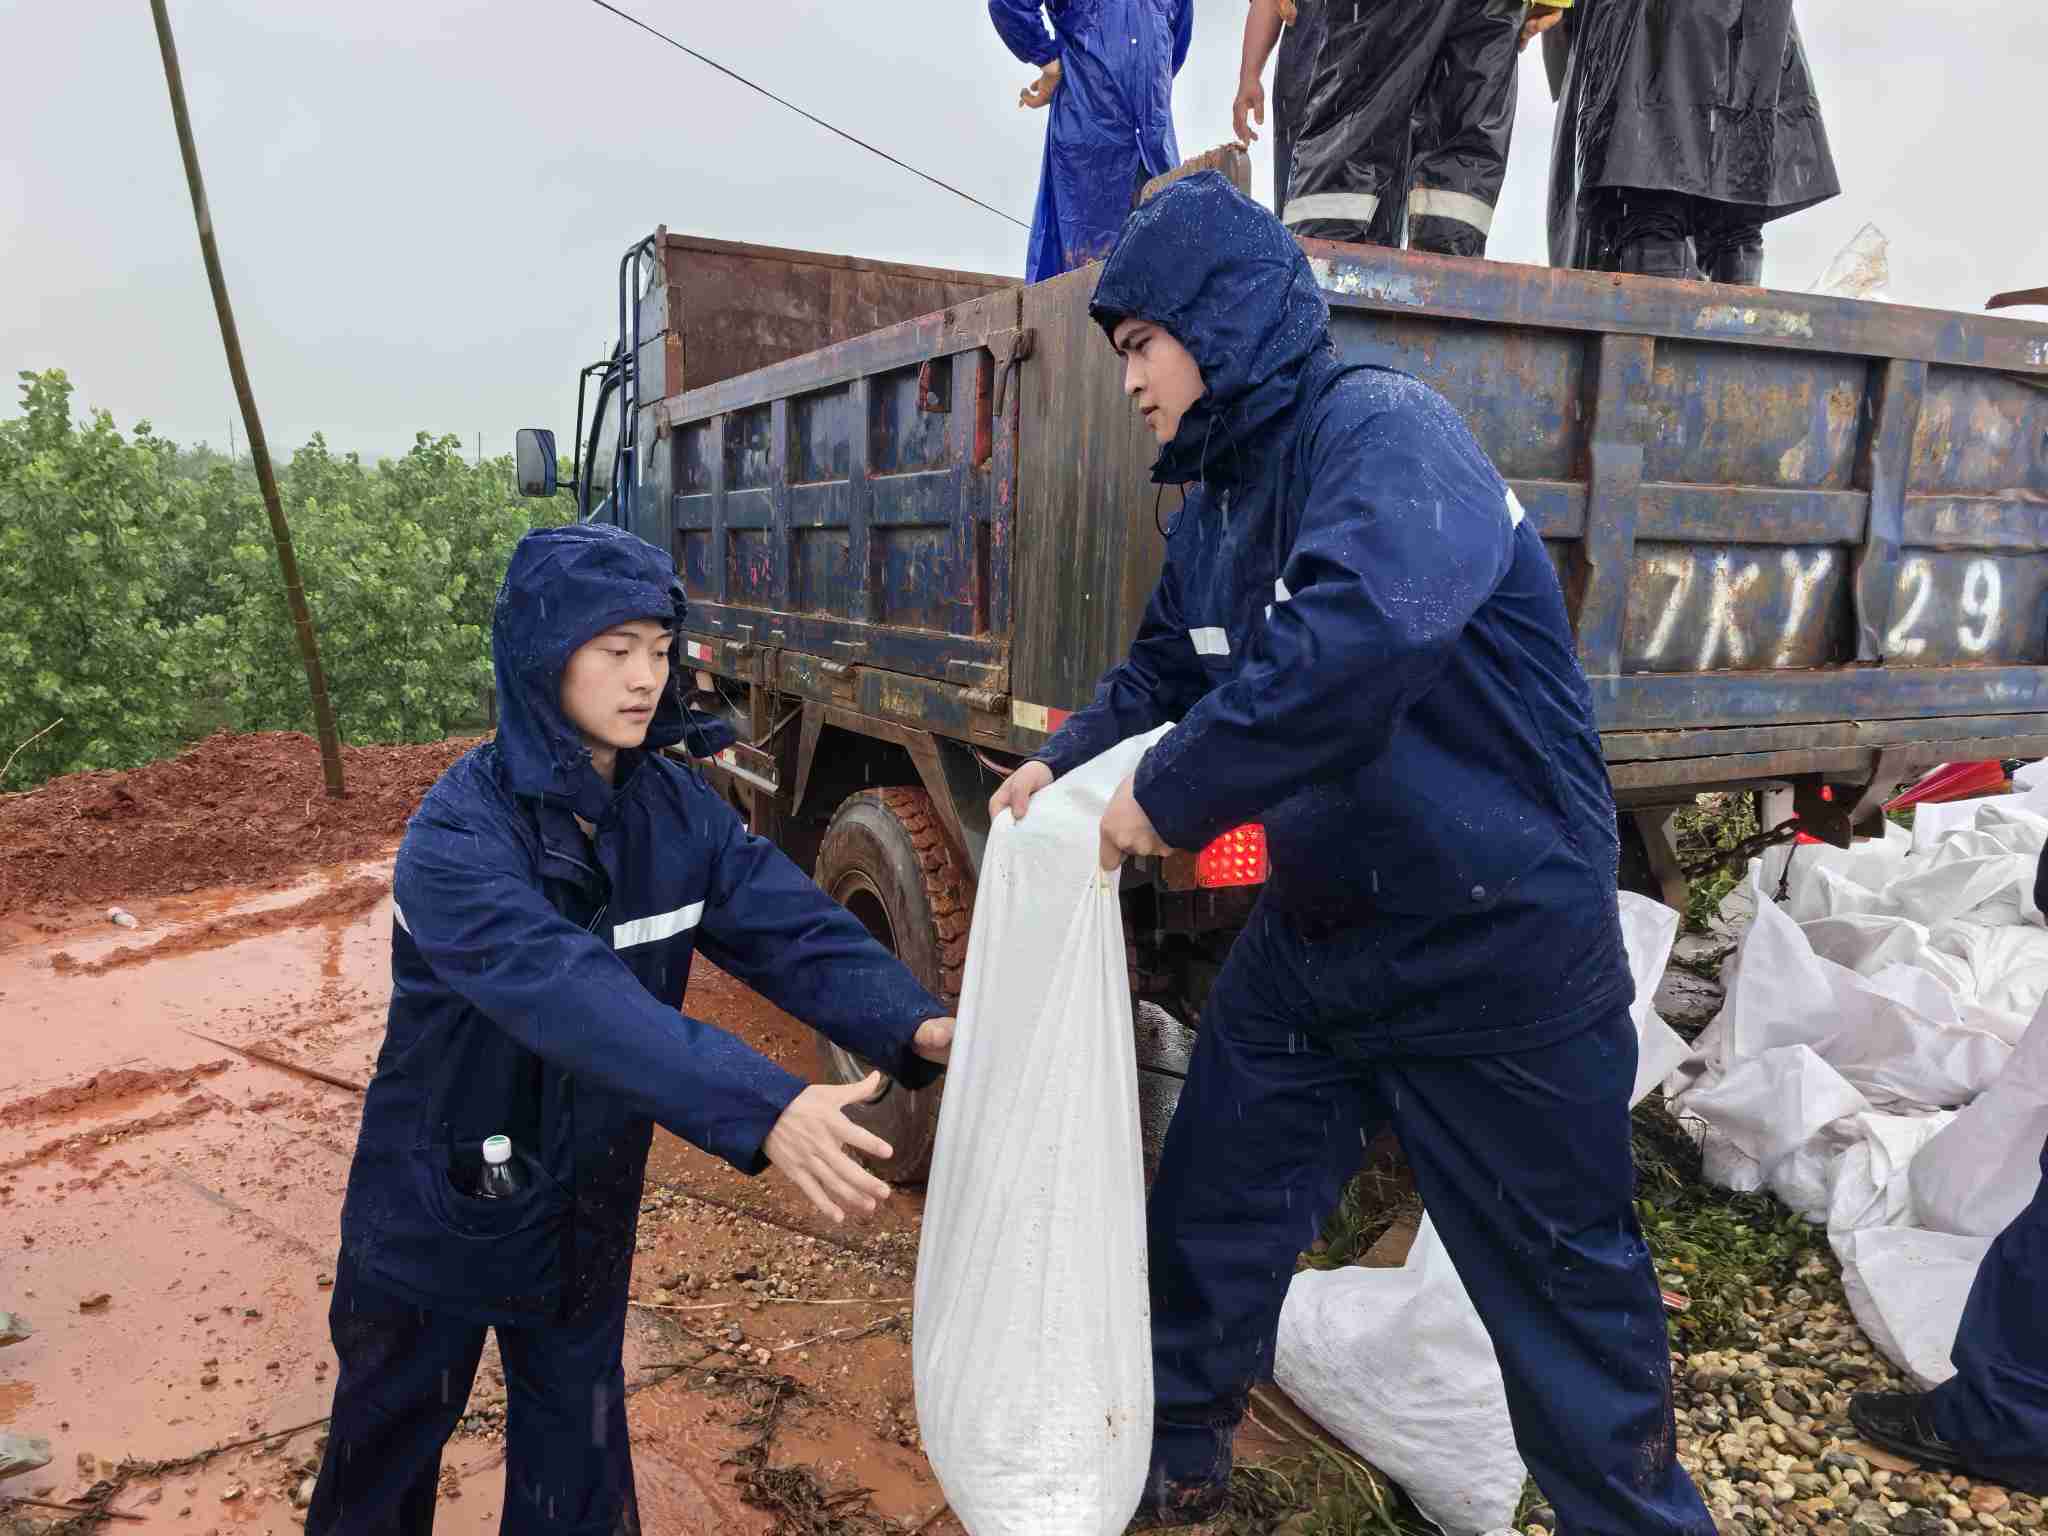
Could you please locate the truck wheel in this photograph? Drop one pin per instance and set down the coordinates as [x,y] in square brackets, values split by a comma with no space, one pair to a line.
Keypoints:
[885,860]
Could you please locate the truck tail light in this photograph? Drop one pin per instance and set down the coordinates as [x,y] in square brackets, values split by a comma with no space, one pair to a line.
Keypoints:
[1235,858]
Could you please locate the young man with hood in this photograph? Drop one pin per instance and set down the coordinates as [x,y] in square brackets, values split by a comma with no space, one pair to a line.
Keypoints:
[1366,649]
[549,895]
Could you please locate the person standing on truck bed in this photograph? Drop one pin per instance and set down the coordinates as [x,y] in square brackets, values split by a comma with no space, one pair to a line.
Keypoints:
[549,895]
[1990,1420]
[1366,649]
[1364,84]
[1682,130]
[1106,70]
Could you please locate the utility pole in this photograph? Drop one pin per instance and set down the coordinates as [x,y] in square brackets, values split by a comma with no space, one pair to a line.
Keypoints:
[259,450]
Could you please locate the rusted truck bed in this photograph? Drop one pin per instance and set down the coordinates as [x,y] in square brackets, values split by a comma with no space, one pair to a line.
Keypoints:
[1801,536]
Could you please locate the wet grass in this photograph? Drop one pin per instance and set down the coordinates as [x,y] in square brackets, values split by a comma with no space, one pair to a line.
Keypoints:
[1710,1246]
[1322,1491]
[1318,1492]
[1714,825]
[1380,1196]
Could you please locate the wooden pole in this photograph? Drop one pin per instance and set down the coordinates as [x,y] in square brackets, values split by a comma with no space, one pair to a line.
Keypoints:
[259,450]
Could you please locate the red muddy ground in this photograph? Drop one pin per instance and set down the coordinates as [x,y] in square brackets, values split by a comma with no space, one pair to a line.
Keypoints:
[198,1190]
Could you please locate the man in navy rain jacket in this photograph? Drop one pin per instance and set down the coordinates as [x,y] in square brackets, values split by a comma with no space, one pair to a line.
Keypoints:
[1366,649]
[1108,68]
[549,895]
[1990,1419]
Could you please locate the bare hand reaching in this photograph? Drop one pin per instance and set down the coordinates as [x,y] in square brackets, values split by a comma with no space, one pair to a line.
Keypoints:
[1541,19]
[934,1040]
[809,1145]
[1127,830]
[1039,92]
[1015,794]
[1249,107]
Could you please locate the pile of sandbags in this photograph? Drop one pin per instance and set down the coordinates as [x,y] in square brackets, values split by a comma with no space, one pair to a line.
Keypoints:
[1874,1064]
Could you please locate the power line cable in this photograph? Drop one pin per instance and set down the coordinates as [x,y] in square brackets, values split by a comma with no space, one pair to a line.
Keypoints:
[605,5]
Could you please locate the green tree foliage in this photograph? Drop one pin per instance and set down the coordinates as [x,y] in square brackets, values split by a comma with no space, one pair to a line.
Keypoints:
[140,600]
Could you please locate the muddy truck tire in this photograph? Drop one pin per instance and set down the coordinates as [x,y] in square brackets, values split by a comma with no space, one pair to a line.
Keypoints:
[885,860]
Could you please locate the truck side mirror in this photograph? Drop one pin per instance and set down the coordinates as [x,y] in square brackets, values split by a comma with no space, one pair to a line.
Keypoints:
[533,460]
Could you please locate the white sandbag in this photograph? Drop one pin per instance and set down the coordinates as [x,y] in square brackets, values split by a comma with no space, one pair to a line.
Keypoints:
[1826,881]
[1867,942]
[2030,776]
[1031,1352]
[1725,1165]
[1804,1179]
[1971,874]
[1907,1289]
[1772,1104]
[1648,930]
[2004,969]
[1899,1035]
[1779,991]
[1871,1187]
[1933,823]
[1904,1039]
[1397,1365]
[2018,822]
[1981,1171]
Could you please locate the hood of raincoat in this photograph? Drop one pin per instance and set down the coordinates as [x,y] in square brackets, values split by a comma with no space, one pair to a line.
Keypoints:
[1228,282]
[566,586]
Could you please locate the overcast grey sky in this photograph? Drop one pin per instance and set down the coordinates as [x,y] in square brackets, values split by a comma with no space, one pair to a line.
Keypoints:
[422,202]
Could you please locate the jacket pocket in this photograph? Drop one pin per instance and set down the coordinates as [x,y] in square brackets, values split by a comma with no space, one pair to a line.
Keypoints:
[505,1256]
[440,1172]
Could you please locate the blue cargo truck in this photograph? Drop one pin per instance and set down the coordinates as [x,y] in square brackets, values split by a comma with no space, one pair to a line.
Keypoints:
[1801,538]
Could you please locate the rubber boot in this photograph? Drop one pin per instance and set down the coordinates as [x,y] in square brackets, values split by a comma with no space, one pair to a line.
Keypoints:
[1741,264]
[1446,237]
[1652,237]
[1657,256]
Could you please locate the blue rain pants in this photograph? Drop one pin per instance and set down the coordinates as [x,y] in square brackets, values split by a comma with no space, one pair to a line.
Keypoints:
[1995,1408]
[1522,1158]
[405,1377]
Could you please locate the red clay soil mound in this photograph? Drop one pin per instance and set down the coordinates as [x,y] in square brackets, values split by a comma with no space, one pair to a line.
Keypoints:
[230,810]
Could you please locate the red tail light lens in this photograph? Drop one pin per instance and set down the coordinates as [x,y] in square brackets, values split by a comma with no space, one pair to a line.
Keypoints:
[1235,858]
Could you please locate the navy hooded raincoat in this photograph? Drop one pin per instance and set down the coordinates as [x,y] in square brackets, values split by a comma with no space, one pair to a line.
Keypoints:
[538,976]
[1111,128]
[1367,650]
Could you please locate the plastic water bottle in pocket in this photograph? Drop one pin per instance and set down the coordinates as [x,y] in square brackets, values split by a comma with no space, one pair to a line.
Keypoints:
[500,1180]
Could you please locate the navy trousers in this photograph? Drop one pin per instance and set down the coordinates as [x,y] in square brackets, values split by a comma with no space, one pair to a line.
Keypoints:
[405,1379]
[1995,1408]
[1523,1161]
